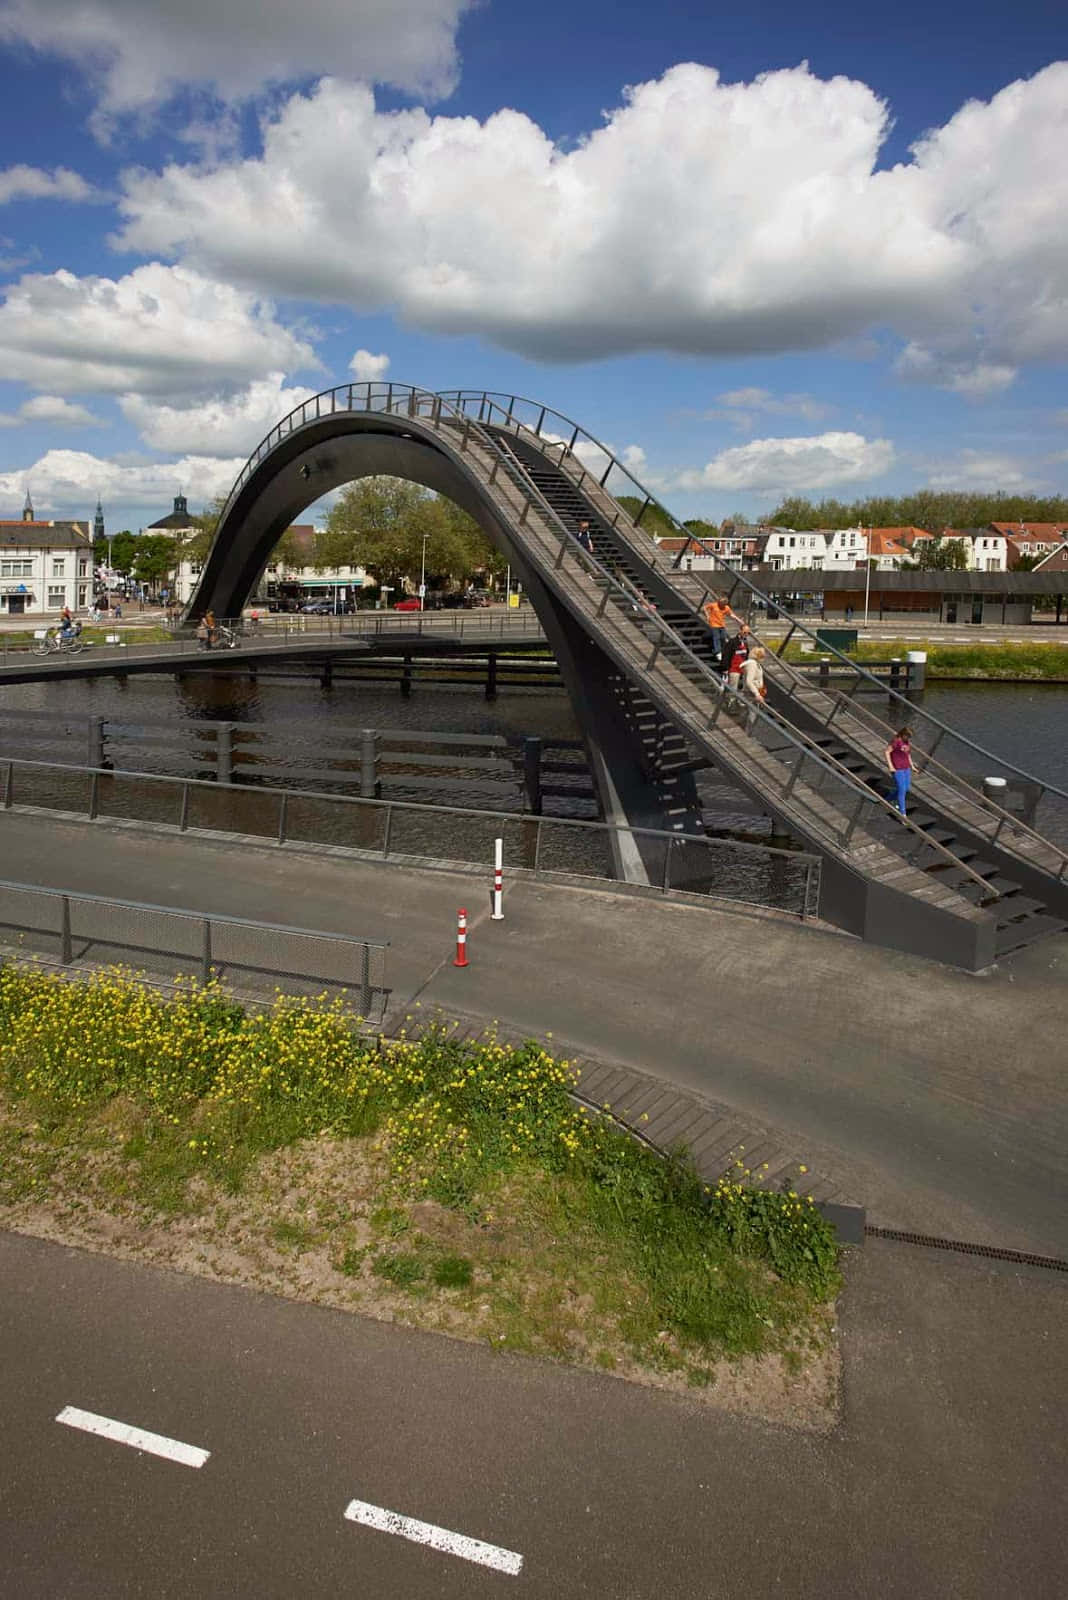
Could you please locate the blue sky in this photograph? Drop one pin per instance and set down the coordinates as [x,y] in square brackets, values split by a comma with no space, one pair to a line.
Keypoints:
[766,250]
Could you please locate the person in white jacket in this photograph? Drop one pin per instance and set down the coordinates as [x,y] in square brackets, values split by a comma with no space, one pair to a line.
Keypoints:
[752,679]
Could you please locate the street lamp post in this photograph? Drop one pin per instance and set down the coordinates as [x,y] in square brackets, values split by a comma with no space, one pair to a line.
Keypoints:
[422,576]
[867,571]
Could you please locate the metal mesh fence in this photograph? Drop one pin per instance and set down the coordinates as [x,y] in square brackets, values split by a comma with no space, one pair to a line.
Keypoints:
[258,959]
[52,788]
[313,819]
[136,799]
[226,809]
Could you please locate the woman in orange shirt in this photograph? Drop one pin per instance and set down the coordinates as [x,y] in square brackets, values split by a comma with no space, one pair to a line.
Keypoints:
[715,612]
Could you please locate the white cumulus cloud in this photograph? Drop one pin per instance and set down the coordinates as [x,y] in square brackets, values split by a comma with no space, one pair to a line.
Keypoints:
[792,465]
[368,368]
[765,224]
[980,469]
[69,481]
[223,425]
[159,330]
[138,54]
[51,408]
[34,183]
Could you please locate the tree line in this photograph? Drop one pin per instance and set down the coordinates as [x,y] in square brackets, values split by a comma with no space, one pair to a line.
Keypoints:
[927,509]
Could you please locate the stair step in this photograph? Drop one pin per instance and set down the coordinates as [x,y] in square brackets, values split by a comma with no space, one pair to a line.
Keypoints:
[1017,936]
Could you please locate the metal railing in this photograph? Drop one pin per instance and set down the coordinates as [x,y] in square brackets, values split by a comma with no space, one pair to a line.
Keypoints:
[605,471]
[550,547]
[555,848]
[91,927]
[289,633]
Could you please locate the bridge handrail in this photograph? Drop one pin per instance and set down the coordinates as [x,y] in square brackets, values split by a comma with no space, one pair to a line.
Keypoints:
[464,398]
[925,763]
[424,406]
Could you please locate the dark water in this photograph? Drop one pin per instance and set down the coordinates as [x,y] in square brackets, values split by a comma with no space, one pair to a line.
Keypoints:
[1023,724]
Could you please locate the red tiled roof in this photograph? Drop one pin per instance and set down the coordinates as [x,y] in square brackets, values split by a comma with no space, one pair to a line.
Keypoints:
[1025,532]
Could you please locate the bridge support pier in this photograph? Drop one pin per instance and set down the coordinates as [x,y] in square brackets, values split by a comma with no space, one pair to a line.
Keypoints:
[326,675]
[491,674]
[532,774]
[406,678]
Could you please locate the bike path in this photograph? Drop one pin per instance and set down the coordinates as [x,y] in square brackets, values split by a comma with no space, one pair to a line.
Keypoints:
[933,1097]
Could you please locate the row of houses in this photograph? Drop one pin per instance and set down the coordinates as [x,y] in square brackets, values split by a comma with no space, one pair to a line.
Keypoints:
[999,547]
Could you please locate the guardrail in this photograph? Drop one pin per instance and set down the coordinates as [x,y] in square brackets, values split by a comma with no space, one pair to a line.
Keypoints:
[88,926]
[562,849]
[604,469]
[287,633]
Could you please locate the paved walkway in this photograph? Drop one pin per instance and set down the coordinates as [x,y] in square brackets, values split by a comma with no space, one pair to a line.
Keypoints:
[945,1478]
[933,1097]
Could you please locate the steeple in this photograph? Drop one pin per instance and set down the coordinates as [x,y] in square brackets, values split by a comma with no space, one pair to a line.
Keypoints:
[27,510]
[98,521]
[180,507]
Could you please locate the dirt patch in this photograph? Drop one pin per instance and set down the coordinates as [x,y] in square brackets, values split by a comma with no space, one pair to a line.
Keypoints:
[320,1221]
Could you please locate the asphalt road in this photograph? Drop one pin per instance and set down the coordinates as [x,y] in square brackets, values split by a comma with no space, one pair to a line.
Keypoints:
[944,1477]
[933,1097]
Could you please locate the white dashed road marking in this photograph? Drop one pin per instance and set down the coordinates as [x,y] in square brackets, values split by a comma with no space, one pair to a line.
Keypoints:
[453,1544]
[156,1444]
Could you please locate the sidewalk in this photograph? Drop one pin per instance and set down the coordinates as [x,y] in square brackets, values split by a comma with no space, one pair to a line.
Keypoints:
[932,1097]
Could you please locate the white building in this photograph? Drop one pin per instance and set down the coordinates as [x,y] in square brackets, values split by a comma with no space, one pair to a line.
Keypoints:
[783,548]
[987,549]
[44,566]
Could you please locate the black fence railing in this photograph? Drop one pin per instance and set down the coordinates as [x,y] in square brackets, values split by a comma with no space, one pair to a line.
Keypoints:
[69,927]
[559,848]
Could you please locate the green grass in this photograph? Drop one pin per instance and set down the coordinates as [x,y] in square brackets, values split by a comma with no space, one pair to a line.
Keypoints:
[550,1228]
[993,661]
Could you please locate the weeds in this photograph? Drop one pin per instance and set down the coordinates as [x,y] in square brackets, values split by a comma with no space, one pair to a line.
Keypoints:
[184,1095]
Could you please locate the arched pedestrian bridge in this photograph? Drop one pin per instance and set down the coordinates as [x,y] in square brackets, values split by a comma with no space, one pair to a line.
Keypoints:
[961,880]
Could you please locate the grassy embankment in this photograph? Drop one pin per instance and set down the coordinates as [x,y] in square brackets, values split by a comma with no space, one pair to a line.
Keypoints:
[133,633]
[993,662]
[445,1183]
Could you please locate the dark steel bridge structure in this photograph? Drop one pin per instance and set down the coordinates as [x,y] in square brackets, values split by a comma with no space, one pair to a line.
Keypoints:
[961,880]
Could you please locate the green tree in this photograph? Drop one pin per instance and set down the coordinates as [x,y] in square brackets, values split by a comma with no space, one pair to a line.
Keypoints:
[655,522]
[123,550]
[942,555]
[155,556]
[380,523]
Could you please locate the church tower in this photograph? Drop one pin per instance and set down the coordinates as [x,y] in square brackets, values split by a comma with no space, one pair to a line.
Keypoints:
[98,522]
[27,510]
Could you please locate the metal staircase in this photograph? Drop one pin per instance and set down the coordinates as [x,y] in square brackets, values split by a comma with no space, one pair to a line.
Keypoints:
[636,657]
[978,855]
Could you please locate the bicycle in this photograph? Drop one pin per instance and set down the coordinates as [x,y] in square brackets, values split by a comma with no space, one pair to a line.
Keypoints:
[54,643]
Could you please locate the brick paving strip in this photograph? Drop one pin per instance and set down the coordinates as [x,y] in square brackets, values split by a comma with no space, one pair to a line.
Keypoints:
[716,1135]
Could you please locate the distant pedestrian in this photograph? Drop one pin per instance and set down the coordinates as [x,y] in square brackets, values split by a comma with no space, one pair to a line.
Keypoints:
[752,681]
[849,613]
[898,754]
[715,612]
[740,648]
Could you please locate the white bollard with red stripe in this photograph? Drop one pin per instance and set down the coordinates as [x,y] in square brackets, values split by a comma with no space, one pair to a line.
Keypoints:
[497,914]
[461,939]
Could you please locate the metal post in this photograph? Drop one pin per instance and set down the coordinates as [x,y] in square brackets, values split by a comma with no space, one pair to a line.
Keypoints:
[537,848]
[368,764]
[9,778]
[205,959]
[665,883]
[532,773]
[825,671]
[66,954]
[183,812]
[94,794]
[283,817]
[365,980]
[95,750]
[224,753]
[389,830]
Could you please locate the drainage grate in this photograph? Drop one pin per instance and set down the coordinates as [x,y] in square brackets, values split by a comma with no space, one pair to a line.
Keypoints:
[992,1252]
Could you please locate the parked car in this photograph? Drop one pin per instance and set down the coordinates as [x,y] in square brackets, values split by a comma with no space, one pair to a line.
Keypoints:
[318,608]
[411,603]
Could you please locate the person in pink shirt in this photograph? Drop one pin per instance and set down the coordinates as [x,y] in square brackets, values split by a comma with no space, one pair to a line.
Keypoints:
[898,754]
